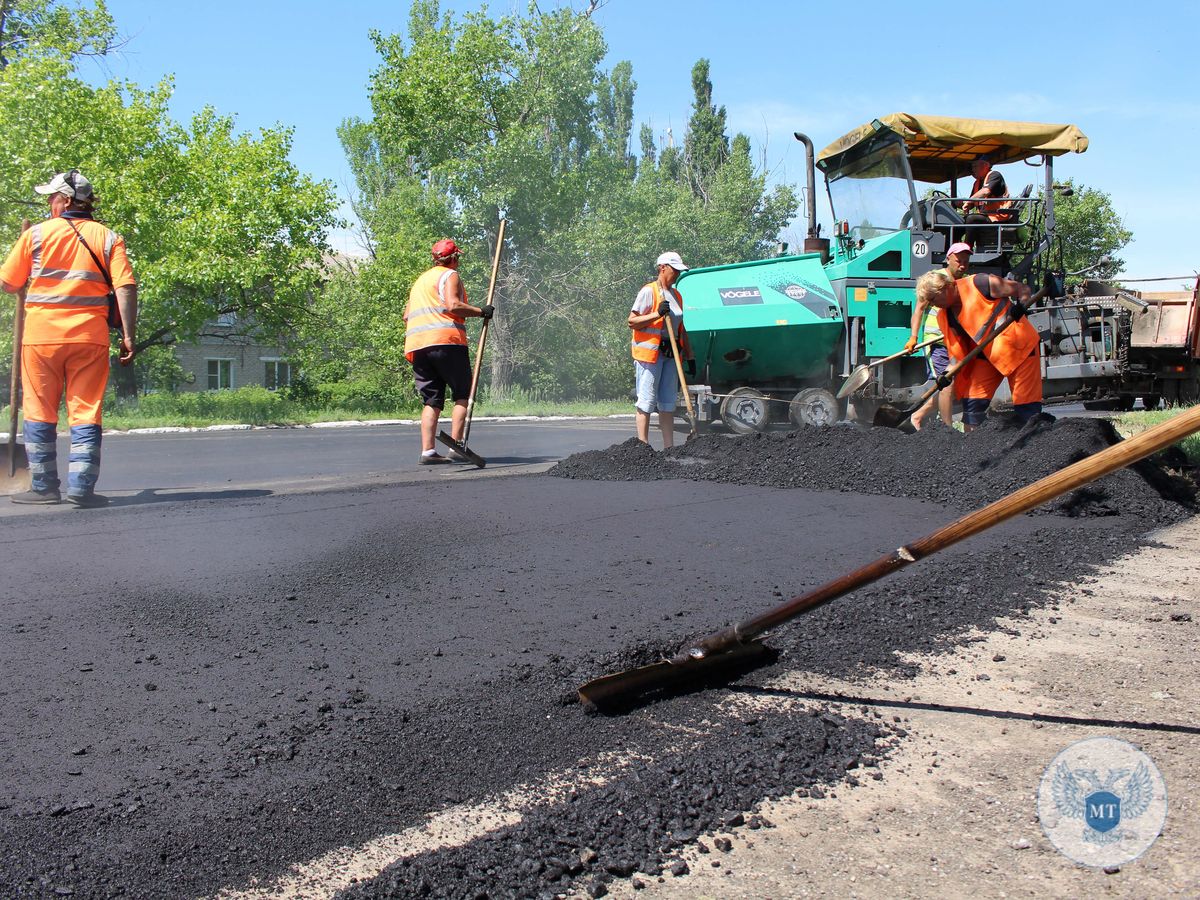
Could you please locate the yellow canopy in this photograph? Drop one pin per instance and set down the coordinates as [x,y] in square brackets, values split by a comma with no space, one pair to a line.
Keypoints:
[941,147]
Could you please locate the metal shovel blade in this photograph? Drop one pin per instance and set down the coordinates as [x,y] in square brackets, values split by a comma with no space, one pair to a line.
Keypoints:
[459,447]
[14,469]
[891,417]
[623,691]
[857,380]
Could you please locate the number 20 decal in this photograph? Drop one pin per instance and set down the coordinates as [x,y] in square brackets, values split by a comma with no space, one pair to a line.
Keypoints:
[920,249]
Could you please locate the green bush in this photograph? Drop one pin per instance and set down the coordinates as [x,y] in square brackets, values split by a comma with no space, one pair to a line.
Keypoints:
[248,405]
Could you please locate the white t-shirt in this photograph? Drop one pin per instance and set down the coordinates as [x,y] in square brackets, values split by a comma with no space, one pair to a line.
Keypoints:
[645,303]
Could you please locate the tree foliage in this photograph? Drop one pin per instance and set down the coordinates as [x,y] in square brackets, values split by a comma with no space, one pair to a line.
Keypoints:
[1088,228]
[476,117]
[215,221]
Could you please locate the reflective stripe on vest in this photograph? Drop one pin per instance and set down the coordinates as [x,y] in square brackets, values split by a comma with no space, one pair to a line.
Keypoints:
[53,284]
[977,314]
[648,338]
[428,320]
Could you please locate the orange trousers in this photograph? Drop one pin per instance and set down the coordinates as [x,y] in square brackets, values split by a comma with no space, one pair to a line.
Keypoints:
[979,379]
[49,369]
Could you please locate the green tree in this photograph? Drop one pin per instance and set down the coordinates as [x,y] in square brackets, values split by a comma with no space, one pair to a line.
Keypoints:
[1088,227]
[706,147]
[215,221]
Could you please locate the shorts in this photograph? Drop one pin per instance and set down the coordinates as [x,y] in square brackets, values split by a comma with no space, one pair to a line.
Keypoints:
[441,366]
[939,360]
[977,382]
[657,385]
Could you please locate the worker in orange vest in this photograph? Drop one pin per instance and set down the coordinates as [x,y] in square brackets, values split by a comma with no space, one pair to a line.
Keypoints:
[655,376]
[924,325]
[70,262]
[968,310]
[435,342]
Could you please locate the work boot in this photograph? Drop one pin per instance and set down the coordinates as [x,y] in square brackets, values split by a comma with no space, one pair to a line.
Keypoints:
[37,498]
[87,501]
[434,459]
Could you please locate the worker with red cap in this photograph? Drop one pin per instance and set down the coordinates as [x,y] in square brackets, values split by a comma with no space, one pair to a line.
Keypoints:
[71,263]
[435,342]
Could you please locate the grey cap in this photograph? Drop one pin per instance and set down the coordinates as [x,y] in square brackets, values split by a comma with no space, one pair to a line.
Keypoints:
[70,184]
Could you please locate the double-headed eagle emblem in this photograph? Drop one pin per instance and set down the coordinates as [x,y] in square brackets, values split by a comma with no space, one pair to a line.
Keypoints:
[1083,794]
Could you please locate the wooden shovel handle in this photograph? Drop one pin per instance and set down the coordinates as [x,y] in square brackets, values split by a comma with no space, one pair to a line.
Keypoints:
[687,397]
[14,383]
[1073,476]
[491,293]
[921,346]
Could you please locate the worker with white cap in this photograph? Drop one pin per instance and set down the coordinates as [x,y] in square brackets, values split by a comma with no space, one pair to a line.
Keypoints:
[73,265]
[655,376]
[924,319]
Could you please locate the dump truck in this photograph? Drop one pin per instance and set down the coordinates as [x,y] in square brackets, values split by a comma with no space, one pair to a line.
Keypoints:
[775,339]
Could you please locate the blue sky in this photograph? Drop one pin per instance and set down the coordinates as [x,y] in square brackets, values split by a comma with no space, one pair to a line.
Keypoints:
[1130,81]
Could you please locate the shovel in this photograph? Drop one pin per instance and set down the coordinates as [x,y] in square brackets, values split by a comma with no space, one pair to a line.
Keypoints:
[461,446]
[14,461]
[862,374]
[687,397]
[735,647]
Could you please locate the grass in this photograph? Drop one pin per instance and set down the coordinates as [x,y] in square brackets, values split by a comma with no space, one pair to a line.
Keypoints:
[257,406]
[1131,423]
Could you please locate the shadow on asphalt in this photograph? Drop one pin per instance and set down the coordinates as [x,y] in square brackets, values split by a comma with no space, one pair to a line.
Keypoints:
[890,703]
[158,495]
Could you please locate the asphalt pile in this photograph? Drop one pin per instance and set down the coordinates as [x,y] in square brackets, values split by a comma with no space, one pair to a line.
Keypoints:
[937,464]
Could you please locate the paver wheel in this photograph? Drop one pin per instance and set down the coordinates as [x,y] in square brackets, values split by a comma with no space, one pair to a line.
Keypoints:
[814,406]
[746,410]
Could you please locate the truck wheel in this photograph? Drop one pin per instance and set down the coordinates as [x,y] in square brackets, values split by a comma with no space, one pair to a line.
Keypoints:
[1150,401]
[814,406]
[746,410]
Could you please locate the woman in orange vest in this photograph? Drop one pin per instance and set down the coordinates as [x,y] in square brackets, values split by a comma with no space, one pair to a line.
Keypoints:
[655,377]
[435,342]
[968,309]
[70,261]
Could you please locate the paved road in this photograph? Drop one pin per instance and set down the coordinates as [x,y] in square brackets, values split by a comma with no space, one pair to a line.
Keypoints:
[215,465]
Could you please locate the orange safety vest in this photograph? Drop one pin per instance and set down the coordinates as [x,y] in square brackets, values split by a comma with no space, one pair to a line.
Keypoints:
[976,316]
[991,208]
[428,322]
[67,296]
[648,338]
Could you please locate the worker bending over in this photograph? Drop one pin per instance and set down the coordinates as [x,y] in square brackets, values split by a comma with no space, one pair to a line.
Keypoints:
[969,309]
[71,262]
[925,325]
[435,342]
[655,376]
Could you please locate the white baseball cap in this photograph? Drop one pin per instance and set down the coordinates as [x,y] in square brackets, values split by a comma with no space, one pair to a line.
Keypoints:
[672,259]
[71,184]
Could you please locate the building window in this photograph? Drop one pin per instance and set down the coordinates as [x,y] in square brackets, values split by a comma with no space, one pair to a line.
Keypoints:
[277,374]
[227,319]
[220,374]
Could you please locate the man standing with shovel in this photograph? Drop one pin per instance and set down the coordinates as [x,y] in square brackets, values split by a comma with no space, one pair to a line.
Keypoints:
[71,262]
[655,375]
[435,342]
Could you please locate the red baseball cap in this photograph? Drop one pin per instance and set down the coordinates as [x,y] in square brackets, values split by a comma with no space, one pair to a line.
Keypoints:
[444,249]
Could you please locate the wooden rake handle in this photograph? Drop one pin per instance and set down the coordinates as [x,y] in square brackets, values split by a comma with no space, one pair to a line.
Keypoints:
[1061,482]
[687,397]
[491,293]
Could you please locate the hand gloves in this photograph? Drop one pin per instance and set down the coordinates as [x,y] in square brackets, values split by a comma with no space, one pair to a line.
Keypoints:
[944,381]
[664,307]
[486,312]
[910,344]
[690,365]
[1017,309]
